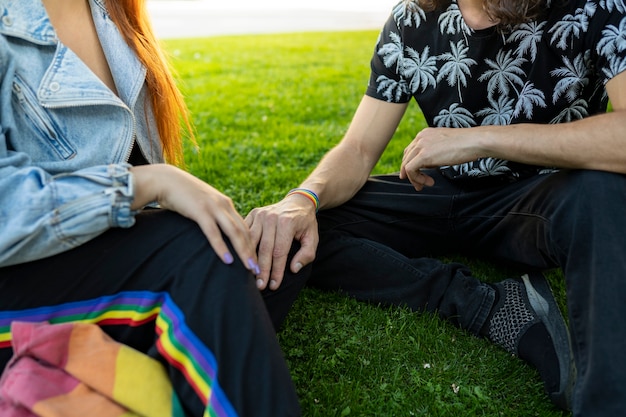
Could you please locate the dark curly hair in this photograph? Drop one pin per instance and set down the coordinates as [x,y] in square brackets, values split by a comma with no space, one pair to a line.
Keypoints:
[507,13]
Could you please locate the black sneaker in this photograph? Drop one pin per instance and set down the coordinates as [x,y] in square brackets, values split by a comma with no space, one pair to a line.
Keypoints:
[527,322]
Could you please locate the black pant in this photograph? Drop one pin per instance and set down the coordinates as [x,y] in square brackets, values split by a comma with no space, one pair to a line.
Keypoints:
[160,288]
[380,247]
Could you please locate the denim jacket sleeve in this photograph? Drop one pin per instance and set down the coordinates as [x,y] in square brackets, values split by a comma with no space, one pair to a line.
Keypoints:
[64,136]
[41,214]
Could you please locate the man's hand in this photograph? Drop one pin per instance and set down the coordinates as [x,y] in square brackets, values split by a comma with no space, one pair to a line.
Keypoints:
[435,147]
[274,228]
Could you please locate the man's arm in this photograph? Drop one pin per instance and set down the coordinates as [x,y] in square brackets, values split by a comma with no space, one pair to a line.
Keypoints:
[597,142]
[346,167]
[338,176]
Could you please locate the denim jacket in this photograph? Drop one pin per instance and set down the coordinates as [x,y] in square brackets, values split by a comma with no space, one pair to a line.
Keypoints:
[64,136]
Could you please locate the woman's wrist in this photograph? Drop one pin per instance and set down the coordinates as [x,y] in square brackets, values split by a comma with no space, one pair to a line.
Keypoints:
[144,185]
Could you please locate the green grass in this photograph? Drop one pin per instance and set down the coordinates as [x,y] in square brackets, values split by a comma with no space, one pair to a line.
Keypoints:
[266,109]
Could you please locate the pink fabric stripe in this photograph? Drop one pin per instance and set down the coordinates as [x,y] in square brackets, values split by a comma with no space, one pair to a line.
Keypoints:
[28,382]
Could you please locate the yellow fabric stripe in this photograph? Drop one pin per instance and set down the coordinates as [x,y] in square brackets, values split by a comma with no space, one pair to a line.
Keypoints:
[181,357]
[142,384]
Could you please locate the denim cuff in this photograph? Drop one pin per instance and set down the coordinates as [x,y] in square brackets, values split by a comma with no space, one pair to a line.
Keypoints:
[122,194]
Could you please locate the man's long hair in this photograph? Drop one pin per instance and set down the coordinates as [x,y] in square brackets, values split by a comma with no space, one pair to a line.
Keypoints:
[506,12]
[170,112]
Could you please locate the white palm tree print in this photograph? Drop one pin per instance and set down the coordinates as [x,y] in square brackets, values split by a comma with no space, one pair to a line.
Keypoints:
[419,69]
[573,77]
[529,98]
[499,114]
[391,53]
[616,66]
[612,44]
[451,21]
[527,35]
[489,166]
[505,73]
[391,89]
[408,13]
[613,39]
[457,66]
[455,116]
[572,26]
[609,5]
[576,111]
[484,167]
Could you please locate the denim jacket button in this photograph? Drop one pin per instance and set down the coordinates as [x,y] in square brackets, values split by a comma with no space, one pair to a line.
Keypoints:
[7,20]
[54,87]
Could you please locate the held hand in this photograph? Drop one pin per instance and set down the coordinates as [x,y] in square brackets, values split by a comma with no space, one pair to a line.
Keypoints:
[435,147]
[179,191]
[274,229]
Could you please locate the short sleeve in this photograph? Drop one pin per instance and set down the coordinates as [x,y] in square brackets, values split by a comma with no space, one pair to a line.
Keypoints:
[608,31]
[386,82]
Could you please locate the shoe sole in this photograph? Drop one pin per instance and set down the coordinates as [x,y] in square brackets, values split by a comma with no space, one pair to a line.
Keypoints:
[555,324]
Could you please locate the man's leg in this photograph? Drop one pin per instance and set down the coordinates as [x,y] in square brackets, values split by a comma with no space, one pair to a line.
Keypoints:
[575,219]
[378,248]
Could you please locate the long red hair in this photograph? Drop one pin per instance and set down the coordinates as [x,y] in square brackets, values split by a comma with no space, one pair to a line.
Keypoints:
[170,112]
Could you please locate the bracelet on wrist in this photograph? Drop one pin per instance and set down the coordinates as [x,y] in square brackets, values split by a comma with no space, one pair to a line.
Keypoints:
[308,194]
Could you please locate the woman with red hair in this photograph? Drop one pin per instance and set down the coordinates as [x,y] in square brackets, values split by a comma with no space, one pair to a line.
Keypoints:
[90,135]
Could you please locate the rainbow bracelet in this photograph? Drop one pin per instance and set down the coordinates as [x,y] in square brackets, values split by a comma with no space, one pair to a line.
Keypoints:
[308,194]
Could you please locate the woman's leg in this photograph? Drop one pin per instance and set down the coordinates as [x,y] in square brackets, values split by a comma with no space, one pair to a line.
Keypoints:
[159,288]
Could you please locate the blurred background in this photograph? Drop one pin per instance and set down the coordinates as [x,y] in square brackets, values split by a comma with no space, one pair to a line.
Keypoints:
[199,18]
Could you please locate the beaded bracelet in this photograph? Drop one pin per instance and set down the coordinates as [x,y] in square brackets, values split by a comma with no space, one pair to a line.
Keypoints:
[308,194]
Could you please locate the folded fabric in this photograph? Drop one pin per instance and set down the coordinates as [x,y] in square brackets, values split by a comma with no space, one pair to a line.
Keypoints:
[75,369]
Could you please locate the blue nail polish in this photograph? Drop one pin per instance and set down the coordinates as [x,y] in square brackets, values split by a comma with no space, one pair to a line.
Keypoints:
[228,258]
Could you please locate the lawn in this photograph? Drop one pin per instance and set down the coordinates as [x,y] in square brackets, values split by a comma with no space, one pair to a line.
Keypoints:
[266,109]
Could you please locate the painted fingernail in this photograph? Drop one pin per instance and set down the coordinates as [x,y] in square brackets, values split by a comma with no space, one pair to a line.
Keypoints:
[228,258]
[254,267]
[298,267]
[259,283]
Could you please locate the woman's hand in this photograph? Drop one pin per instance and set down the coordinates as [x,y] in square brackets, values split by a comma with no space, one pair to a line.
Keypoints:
[179,191]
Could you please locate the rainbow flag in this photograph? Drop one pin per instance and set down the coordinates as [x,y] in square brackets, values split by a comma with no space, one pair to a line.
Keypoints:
[75,369]
[176,343]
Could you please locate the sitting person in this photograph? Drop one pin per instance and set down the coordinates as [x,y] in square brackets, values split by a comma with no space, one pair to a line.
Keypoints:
[521,163]
[89,115]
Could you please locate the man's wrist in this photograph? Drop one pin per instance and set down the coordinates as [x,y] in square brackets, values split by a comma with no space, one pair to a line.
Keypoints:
[304,192]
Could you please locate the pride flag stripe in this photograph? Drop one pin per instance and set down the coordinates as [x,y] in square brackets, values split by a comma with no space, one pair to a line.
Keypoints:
[176,342]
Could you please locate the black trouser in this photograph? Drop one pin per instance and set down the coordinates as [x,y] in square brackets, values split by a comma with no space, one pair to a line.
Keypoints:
[379,247]
[160,288]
